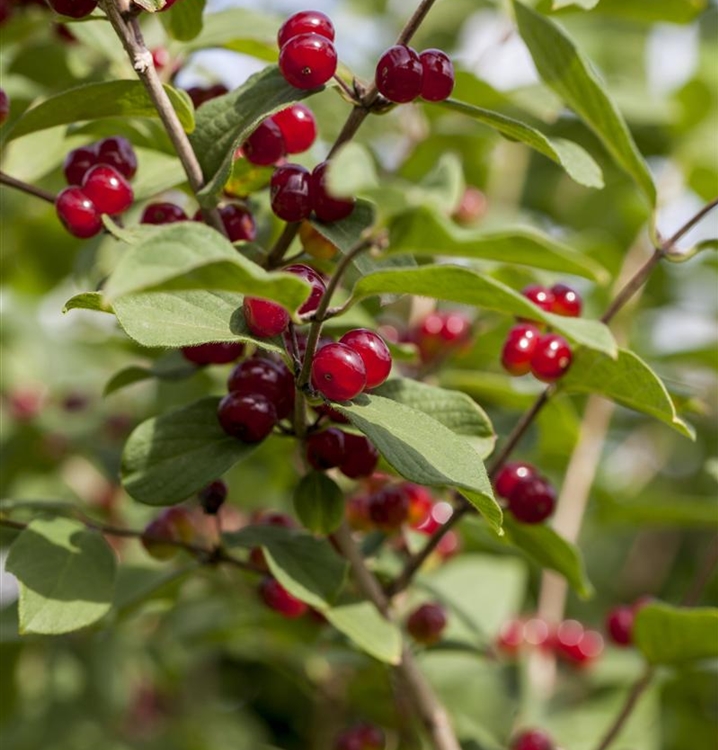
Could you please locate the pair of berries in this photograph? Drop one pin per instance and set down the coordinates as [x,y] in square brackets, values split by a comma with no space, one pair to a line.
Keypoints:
[547,356]
[213,353]
[529,496]
[73,8]
[426,623]
[238,221]
[291,131]
[307,58]
[295,192]
[559,299]
[620,620]
[354,455]
[261,393]
[171,525]
[402,75]
[440,333]
[361,737]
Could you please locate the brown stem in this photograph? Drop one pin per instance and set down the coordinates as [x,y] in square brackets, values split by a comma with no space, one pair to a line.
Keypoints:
[25,187]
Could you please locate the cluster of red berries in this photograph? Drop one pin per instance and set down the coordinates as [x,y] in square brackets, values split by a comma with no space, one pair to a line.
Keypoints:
[620,620]
[353,455]
[291,131]
[98,176]
[427,623]
[307,58]
[238,221]
[361,737]
[530,497]
[403,75]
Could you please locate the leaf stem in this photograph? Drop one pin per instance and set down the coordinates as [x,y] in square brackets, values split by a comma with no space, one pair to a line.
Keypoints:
[25,187]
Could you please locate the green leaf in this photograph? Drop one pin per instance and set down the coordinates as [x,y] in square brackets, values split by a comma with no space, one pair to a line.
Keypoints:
[168,458]
[683,511]
[170,367]
[362,623]
[423,450]
[455,410]
[547,549]
[467,287]
[225,122]
[671,635]
[585,4]
[668,11]
[627,380]
[579,165]
[66,575]
[87,301]
[96,100]
[319,503]
[241,30]
[183,21]
[352,171]
[564,69]
[423,231]
[157,173]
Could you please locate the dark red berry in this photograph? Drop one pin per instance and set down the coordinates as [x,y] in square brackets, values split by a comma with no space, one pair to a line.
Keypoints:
[361,737]
[107,189]
[117,152]
[265,146]
[308,61]
[619,625]
[213,353]
[238,223]
[78,213]
[73,8]
[399,74]
[325,449]
[389,508]
[338,372]
[512,475]
[327,207]
[305,22]
[374,353]
[565,301]
[163,213]
[78,162]
[298,126]
[532,739]
[212,497]
[259,375]
[426,623]
[276,597]
[264,318]
[200,94]
[519,348]
[290,192]
[438,82]
[532,500]
[316,282]
[4,106]
[551,358]
[249,417]
[360,457]
[539,295]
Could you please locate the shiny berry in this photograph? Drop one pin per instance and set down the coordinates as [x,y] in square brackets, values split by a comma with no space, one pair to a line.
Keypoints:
[78,213]
[551,358]
[532,500]
[427,623]
[238,223]
[212,496]
[308,61]
[399,74]
[259,375]
[519,348]
[325,449]
[4,106]
[360,457]
[78,162]
[276,597]
[315,281]
[265,146]
[247,417]
[512,475]
[440,332]
[290,192]
[539,295]
[374,353]
[327,207]
[565,301]
[619,625]
[73,8]
[338,372]
[117,152]
[389,508]
[298,127]
[264,318]
[361,737]
[305,22]
[213,353]
[163,213]
[107,189]
[532,739]
[438,81]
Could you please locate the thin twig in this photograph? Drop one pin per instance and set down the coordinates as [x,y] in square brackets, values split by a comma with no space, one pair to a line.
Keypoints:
[25,187]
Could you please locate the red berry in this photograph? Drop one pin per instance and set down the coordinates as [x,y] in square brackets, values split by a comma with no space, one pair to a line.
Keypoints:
[290,192]
[360,456]
[78,162]
[473,206]
[440,332]
[532,739]
[374,353]
[160,57]
[4,106]
[325,449]
[389,508]
[439,513]
[532,501]
[512,475]
[78,213]
[117,152]
[259,375]
[264,318]
[426,624]
[511,636]
[212,496]
[276,597]
[172,525]
[265,146]
[588,648]
[519,348]
[565,301]
[326,206]
[316,282]
[438,82]
[107,189]
[247,417]
[551,358]
[539,295]
[298,126]
[399,74]
[361,737]
[200,94]
[538,633]
[238,223]
[73,8]
[421,501]
[213,353]
[619,625]
[308,61]
[305,22]
[163,213]
[338,372]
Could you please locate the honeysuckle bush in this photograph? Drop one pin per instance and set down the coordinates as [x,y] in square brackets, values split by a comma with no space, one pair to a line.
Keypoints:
[589,173]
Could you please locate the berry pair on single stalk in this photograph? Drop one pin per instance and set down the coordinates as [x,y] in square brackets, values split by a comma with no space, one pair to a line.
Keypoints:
[115,151]
[426,623]
[529,496]
[291,131]
[361,737]
[546,356]
[402,75]
[441,333]
[353,455]
[307,58]
[560,299]
[576,644]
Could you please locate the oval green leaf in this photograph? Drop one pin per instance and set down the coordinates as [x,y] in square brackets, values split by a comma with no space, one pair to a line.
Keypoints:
[319,503]
[671,635]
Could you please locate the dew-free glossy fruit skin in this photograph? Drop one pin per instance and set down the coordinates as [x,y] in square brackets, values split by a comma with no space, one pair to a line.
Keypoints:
[308,61]
[213,353]
[276,597]
[360,456]
[290,192]
[298,128]
[438,79]
[78,213]
[163,213]
[325,449]
[212,496]
[551,358]
[265,145]
[532,739]
[399,74]
[426,623]
[327,208]
[374,353]
[107,189]
[389,508]
[78,162]
[512,475]
[238,223]
[259,375]
[338,372]
[316,282]
[117,152]
[566,301]
[73,8]
[539,295]
[248,417]
[305,22]
[619,625]
[532,501]
[265,318]
[519,347]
